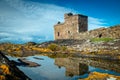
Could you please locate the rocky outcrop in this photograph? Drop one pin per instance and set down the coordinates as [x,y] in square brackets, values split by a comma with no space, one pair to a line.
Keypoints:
[98,47]
[101,76]
[18,49]
[8,70]
[62,42]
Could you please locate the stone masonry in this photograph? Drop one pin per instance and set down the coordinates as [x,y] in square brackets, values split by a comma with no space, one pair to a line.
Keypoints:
[73,25]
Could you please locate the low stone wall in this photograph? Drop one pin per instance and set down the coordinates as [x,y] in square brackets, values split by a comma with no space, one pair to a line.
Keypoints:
[112,32]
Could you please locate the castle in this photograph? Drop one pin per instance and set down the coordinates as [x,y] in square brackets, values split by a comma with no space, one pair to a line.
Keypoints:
[73,25]
[76,27]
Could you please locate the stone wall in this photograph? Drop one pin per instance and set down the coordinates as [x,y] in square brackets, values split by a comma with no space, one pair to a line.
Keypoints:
[112,32]
[73,25]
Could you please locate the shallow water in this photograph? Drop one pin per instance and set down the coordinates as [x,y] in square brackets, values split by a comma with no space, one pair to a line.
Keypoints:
[61,68]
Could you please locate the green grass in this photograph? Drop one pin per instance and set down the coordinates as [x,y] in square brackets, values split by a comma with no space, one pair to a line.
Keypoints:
[101,39]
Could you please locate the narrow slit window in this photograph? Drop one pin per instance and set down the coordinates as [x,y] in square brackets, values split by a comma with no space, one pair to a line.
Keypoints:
[68,32]
[58,34]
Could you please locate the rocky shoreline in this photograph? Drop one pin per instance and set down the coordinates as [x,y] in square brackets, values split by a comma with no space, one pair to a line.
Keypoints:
[86,48]
[73,48]
[101,76]
[12,73]
[78,48]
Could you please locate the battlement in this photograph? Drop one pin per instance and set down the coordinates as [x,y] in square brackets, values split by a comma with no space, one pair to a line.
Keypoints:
[68,15]
[71,15]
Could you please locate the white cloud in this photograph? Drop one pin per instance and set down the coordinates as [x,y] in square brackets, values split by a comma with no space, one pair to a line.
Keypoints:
[22,20]
[29,19]
[94,23]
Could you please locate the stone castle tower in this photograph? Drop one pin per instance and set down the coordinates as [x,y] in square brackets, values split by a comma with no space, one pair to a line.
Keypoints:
[73,25]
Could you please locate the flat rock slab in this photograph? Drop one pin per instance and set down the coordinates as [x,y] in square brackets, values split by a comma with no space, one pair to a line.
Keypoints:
[29,63]
[38,58]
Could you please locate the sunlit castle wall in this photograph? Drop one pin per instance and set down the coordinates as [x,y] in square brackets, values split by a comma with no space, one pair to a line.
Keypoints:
[73,25]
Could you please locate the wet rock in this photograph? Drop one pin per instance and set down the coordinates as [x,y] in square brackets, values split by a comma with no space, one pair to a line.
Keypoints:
[101,76]
[28,63]
[13,73]
[38,58]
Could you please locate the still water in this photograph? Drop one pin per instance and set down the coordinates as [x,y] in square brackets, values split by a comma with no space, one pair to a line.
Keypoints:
[66,68]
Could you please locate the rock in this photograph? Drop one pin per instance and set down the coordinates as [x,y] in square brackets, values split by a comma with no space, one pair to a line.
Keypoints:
[31,43]
[101,76]
[28,63]
[13,73]
[38,58]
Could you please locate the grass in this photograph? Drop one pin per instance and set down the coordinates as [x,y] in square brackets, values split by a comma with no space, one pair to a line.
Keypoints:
[101,39]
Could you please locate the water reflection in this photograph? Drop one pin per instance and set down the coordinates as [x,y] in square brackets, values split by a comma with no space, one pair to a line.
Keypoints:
[67,68]
[72,67]
[99,63]
[80,66]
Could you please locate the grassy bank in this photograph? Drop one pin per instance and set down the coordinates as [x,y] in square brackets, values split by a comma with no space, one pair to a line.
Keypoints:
[101,39]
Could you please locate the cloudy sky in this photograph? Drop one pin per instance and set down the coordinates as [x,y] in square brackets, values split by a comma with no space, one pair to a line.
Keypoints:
[32,20]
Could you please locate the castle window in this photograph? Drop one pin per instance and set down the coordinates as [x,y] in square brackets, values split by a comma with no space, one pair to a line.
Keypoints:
[72,24]
[68,32]
[100,35]
[58,33]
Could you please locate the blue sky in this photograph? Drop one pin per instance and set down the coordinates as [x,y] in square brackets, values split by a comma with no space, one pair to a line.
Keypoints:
[32,20]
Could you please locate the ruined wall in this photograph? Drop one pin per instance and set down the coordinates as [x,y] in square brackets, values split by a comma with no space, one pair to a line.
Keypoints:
[112,32]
